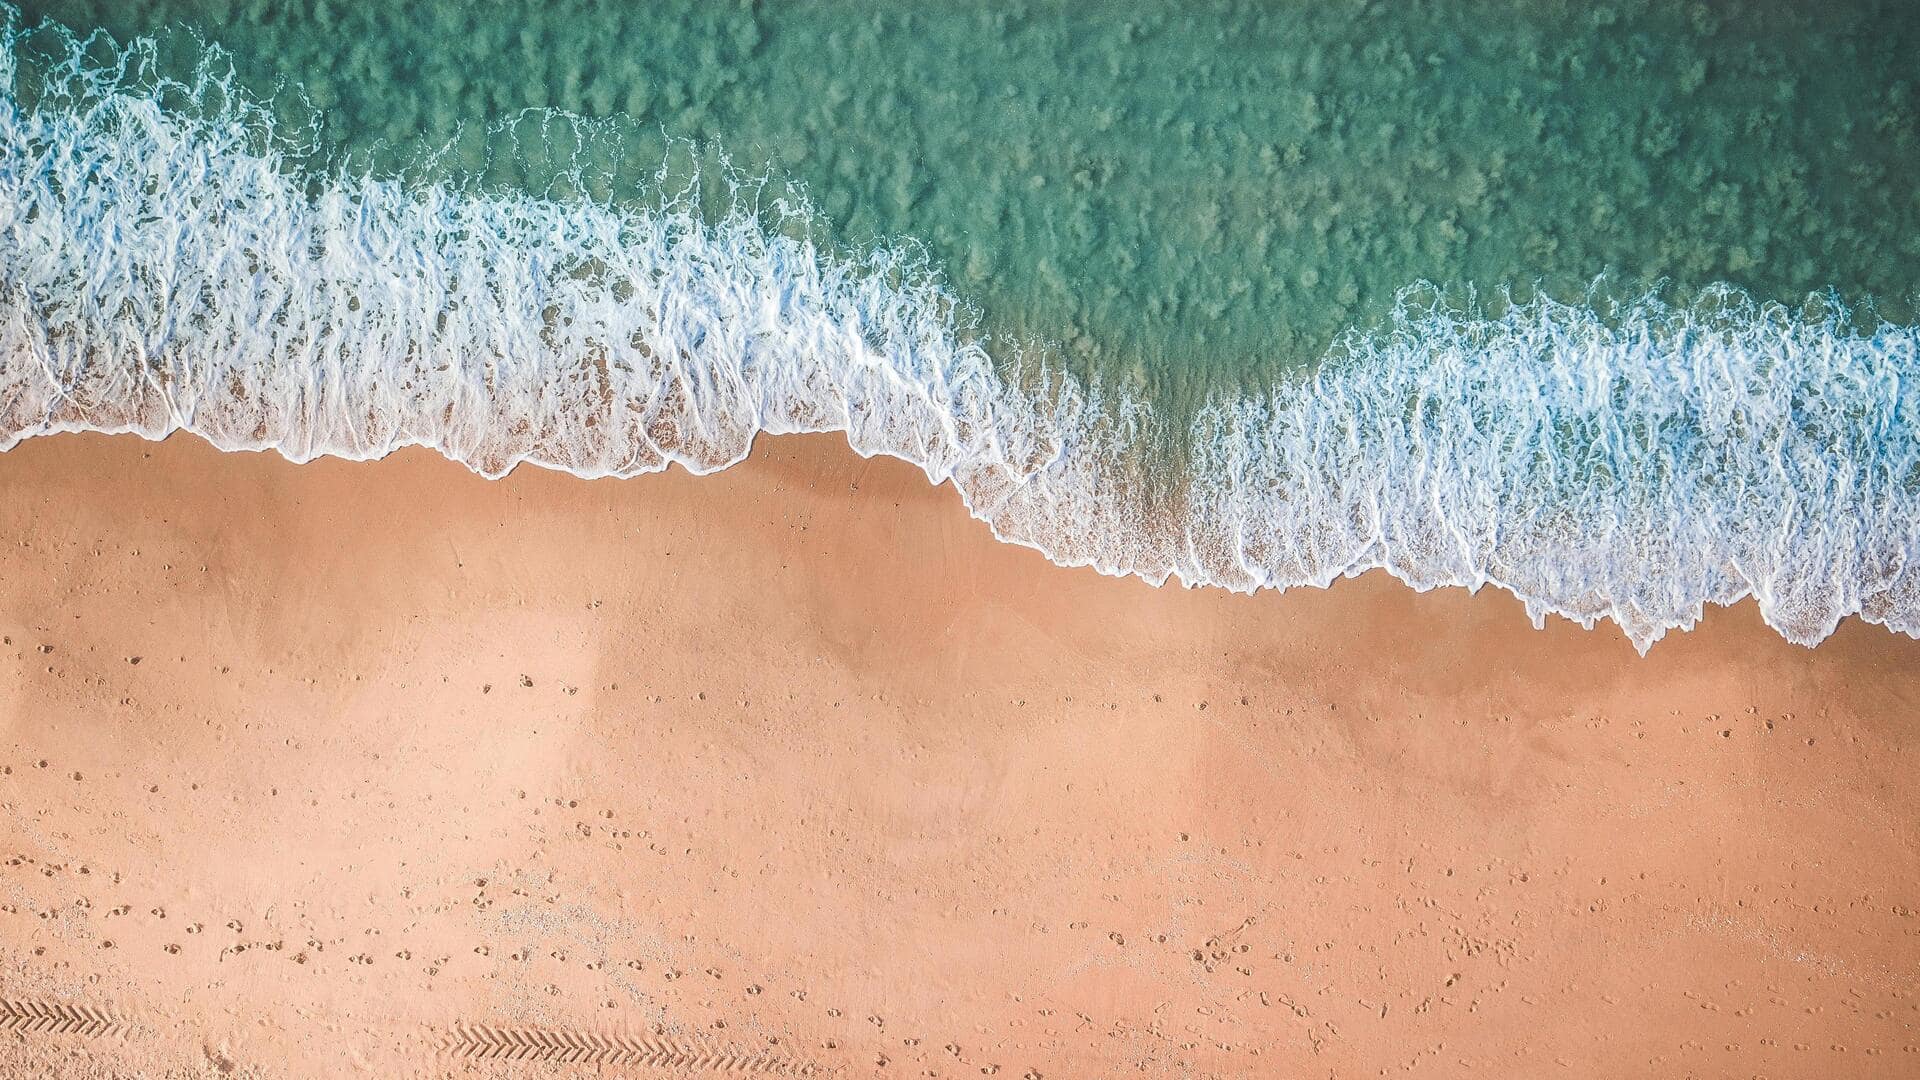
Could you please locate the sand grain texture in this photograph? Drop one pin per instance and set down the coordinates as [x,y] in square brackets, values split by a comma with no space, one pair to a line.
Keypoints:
[390,770]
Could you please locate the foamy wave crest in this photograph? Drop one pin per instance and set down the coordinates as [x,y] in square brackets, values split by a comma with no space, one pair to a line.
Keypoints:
[163,267]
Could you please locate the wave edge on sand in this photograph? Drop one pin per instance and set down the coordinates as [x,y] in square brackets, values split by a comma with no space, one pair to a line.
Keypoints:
[166,270]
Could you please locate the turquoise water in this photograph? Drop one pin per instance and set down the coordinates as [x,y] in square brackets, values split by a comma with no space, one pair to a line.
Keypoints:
[1185,193]
[1144,281]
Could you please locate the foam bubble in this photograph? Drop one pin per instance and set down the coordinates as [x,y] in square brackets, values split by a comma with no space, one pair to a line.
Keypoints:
[165,269]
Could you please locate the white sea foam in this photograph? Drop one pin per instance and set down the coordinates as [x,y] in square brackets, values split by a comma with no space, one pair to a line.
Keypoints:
[165,268]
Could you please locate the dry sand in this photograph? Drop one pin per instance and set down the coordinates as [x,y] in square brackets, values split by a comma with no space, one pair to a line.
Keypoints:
[386,769]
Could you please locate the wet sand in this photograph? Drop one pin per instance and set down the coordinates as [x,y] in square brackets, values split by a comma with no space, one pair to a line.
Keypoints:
[384,769]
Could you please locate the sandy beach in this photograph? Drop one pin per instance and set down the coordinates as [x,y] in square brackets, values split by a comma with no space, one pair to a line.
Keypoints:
[384,769]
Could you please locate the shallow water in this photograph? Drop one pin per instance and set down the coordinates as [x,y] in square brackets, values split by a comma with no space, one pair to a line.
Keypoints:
[1141,288]
[1183,196]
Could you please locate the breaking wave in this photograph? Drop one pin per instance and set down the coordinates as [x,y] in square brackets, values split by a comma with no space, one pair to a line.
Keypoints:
[164,267]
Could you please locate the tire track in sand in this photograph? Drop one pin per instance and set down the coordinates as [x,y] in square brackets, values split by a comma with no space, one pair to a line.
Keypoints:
[54,1018]
[481,1041]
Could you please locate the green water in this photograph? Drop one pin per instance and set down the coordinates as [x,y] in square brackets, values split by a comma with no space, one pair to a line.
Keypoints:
[1180,195]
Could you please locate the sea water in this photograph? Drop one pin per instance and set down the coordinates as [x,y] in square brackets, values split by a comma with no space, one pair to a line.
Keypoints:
[1611,307]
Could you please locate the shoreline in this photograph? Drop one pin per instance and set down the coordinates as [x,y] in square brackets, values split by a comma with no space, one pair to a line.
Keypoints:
[834,444]
[797,760]
[1630,465]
